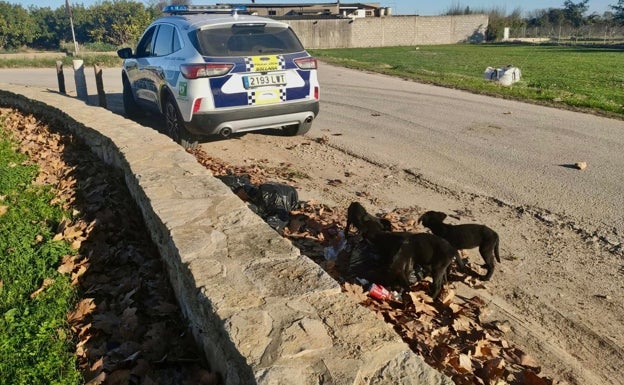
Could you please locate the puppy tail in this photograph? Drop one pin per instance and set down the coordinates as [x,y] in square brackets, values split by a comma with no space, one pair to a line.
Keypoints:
[496,251]
[460,262]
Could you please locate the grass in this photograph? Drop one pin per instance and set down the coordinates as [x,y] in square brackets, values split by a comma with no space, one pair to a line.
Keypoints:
[103,60]
[35,342]
[575,77]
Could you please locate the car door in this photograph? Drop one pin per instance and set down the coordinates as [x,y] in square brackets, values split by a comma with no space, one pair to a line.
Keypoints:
[165,68]
[140,70]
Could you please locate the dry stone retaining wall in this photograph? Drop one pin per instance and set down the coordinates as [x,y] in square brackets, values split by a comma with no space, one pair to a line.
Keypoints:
[262,312]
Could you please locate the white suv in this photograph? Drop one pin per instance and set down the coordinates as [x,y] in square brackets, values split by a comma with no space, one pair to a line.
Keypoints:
[212,71]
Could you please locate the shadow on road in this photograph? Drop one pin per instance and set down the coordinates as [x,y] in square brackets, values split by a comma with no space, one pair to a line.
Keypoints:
[114,103]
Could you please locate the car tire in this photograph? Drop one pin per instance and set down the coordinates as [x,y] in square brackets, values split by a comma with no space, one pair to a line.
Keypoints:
[176,128]
[131,108]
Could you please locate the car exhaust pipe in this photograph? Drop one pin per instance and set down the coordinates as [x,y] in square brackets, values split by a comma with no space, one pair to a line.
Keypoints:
[225,132]
[309,119]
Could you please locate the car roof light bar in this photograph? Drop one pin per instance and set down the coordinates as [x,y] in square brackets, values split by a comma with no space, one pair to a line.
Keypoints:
[190,9]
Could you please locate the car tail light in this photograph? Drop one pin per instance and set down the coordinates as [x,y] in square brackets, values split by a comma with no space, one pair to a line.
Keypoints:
[316,93]
[196,105]
[306,63]
[205,70]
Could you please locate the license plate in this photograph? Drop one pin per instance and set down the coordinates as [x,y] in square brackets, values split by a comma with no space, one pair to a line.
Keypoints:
[255,81]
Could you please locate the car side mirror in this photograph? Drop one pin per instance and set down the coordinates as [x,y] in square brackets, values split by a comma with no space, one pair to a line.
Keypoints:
[125,53]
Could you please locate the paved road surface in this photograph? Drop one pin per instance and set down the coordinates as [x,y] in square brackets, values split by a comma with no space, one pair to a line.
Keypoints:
[517,152]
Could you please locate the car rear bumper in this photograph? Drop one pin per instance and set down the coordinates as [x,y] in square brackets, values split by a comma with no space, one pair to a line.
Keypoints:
[257,118]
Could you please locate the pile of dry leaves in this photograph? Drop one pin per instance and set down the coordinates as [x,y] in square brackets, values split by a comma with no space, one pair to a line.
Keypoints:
[128,327]
[449,333]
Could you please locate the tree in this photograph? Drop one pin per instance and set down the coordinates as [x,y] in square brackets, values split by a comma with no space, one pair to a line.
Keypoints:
[556,16]
[52,27]
[499,20]
[118,22]
[618,11]
[574,12]
[17,27]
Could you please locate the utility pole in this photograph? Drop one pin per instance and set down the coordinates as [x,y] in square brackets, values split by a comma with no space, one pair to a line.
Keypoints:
[68,11]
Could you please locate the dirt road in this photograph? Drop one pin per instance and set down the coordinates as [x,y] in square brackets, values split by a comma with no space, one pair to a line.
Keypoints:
[560,289]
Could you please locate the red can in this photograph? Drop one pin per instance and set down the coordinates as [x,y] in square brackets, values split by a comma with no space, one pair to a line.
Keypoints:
[379,292]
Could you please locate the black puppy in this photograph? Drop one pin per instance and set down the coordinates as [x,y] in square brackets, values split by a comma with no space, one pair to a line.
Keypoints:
[363,221]
[465,236]
[404,250]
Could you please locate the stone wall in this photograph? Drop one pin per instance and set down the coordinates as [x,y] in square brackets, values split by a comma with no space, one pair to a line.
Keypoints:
[390,31]
[262,312]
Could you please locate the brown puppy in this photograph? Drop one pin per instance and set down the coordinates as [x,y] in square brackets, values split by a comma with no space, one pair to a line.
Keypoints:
[363,221]
[404,250]
[465,236]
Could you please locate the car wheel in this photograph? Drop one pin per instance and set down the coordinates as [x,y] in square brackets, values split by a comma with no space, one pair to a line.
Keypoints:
[131,107]
[176,128]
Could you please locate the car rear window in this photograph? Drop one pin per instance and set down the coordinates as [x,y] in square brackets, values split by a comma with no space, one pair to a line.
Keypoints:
[247,40]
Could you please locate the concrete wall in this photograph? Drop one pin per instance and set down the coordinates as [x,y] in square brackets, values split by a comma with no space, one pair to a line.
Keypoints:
[262,312]
[390,31]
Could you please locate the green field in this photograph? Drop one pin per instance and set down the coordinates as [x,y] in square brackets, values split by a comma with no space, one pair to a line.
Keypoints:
[589,78]
[575,77]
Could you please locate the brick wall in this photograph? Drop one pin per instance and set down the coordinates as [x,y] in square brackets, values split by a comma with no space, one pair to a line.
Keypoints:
[390,31]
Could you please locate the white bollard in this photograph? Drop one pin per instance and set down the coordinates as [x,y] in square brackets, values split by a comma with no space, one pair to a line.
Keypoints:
[79,78]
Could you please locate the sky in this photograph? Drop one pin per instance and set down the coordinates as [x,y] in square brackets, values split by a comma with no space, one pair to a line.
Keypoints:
[399,7]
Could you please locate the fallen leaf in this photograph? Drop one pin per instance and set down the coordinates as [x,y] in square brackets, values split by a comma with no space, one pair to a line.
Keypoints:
[442,353]
[46,283]
[67,265]
[419,300]
[447,296]
[462,363]
[492,370]
[76,275]
[465,362]
[83,308]
[531,378]
[107,322]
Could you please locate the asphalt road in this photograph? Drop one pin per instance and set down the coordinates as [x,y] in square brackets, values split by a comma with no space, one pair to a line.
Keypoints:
[520,153]
[516,152]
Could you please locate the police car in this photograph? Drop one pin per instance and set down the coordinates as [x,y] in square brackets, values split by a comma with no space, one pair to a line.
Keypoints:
[214,70]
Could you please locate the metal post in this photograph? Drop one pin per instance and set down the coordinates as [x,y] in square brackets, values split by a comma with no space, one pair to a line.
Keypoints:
[100,85]
[60,76]
[68,11]
[81,82]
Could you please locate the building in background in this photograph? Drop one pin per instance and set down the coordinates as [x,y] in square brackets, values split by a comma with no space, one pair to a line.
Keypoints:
[317,10]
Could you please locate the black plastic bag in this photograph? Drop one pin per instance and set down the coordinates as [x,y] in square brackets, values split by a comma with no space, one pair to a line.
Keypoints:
[235,181]
[273,199]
